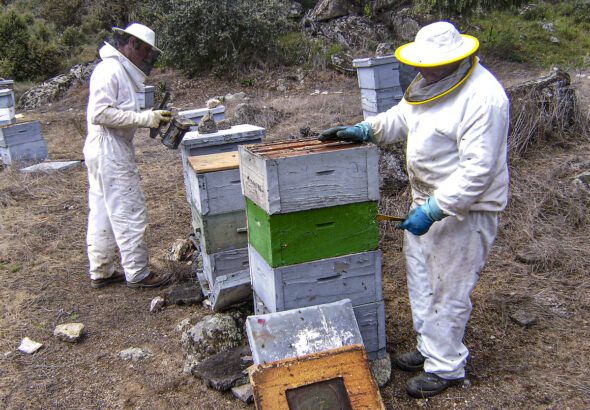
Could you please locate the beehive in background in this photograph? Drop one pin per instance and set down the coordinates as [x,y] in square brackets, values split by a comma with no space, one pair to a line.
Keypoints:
[22,142]
[146,97]
[213,189]
[379,83]
[7,114]
[312,229]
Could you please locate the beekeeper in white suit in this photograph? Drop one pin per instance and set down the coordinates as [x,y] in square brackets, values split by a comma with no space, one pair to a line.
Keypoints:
[117,210]
[455,117]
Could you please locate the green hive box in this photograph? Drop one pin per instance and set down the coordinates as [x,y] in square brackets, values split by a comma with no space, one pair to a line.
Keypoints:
[297,237]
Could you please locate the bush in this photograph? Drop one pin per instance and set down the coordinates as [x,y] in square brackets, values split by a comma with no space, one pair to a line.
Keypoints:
[28,50]
[225,34]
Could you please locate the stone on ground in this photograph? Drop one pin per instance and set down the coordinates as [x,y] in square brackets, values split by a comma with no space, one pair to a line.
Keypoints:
[184,294]
[29,346]
[226,369]
[157,304]
[381,369]
[244,392]
[213,334]
[181,250]
[134,354]
[69,332]
[523,318]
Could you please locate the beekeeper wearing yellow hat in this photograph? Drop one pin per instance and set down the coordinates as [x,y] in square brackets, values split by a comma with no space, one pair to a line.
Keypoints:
[455,116]
[117,211]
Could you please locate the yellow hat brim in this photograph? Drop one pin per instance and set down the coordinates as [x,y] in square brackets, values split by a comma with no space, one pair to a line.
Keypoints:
[410,54]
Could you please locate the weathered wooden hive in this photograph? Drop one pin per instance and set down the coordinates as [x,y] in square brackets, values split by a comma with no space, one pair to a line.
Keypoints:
[379,83]
[212,181]
[312,229]
[22,142]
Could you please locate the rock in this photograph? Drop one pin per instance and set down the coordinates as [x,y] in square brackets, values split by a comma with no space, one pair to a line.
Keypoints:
[184,294]
[181,250]
[384,49]
[207,124]
[56,87]
[236,96]
[134,354]
[554,40]
[549,27]
[295,10]
[244,393]
[69,332]
[266,117]
[330,9]
[224,370]
[529,257]
[29,346]
[281,88]
[223,124]
[523,318]
[382,5]
[157,304]
[381,369]
[405,28]
[352,32]
[342,62]
[184,324]
[583,181]
[213,334]
[212,103]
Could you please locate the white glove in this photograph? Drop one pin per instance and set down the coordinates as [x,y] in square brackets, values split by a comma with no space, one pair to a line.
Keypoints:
[152,119]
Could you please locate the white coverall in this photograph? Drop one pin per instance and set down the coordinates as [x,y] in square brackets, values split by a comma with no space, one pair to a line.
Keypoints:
[456,152]
[117,210]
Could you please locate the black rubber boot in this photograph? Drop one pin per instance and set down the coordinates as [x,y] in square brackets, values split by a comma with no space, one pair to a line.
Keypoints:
[428,384]
[410,361]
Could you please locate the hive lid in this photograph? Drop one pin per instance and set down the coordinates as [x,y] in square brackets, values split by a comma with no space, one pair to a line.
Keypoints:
[373,61]
[214,162]
[201,111]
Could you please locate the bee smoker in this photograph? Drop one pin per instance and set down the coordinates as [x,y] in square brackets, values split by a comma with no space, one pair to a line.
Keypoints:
[172,137]
[175,132]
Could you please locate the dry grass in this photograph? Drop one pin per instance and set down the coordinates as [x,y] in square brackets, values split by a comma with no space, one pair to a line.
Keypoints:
[43,272]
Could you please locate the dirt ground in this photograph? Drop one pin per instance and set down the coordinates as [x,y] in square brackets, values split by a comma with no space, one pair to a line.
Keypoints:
[43,272]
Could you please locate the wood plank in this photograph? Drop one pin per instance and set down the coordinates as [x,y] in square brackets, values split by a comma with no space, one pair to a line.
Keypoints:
[214,162]
[272,381]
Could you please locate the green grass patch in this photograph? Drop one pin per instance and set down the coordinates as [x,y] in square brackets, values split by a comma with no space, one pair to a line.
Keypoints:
[521,37]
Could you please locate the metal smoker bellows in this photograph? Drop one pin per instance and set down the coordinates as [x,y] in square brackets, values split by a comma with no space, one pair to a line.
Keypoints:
[172,137]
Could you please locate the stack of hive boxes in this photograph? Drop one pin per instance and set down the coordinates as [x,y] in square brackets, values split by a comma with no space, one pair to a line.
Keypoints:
[312,229]
[146,97]
[22,142]
[379,83]
[212,181]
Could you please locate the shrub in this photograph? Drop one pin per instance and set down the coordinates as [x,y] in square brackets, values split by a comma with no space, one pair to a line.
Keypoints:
[63,13]
[28,50]
[225,34]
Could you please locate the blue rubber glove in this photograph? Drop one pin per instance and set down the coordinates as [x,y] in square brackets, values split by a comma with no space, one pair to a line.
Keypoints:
[361,132]
[420,219]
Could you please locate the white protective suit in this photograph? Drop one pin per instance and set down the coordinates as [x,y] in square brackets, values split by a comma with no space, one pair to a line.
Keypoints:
[117,210]
[456,152]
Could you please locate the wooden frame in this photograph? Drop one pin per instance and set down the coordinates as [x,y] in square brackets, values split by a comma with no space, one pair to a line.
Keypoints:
[271,381]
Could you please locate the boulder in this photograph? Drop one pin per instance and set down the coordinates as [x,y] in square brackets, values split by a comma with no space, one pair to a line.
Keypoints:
[330,9]
[180,250]
[226,369]
[381,369]
[352,32]
[405,28]
[383,5]
[213,334]
[157,304]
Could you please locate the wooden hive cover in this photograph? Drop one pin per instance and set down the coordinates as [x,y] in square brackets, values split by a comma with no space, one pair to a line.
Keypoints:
[276,385]
[222,161]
